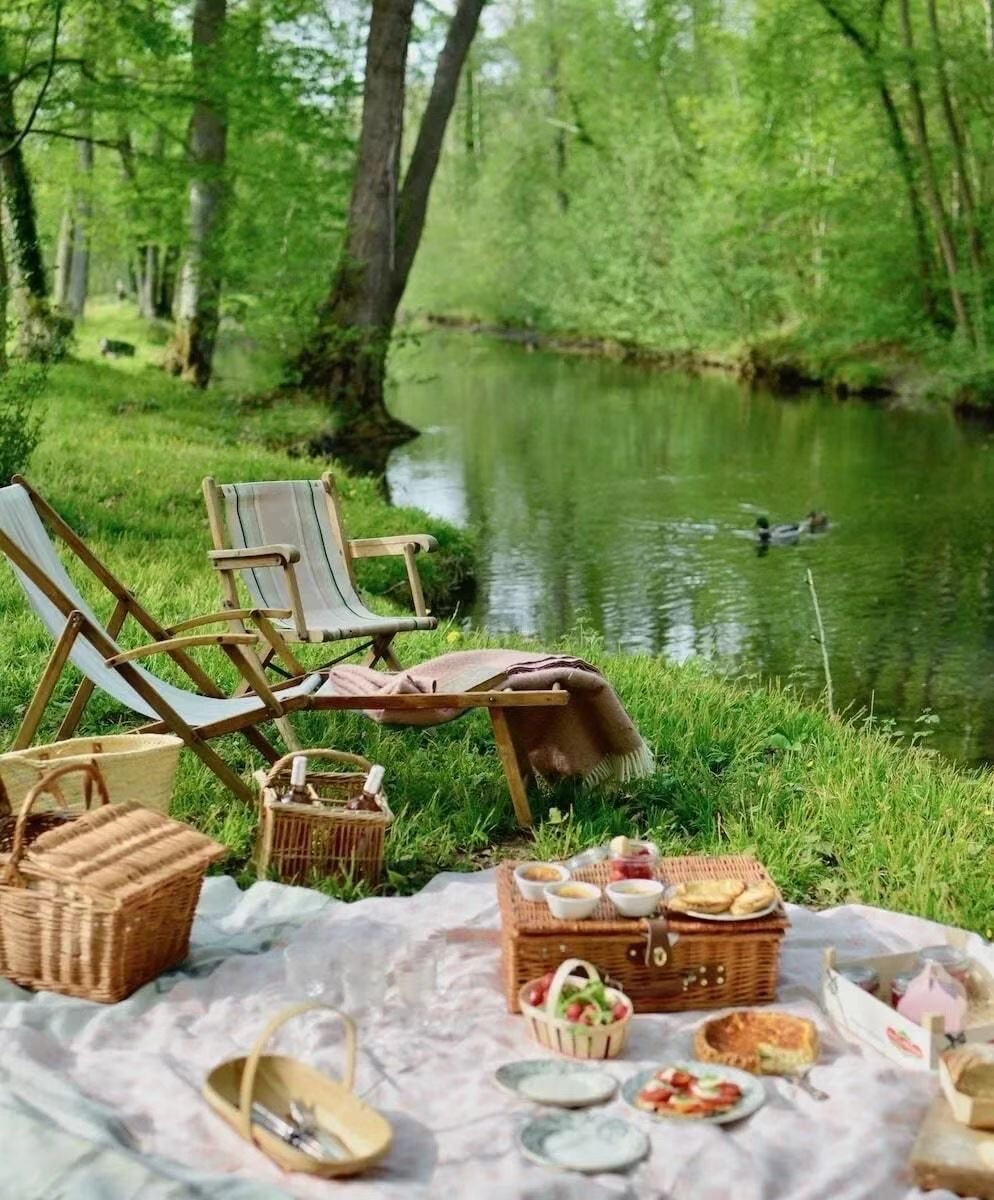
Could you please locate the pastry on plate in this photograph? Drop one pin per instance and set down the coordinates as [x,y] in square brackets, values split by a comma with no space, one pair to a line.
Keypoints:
[755,898]
[765,1043]
[705,895]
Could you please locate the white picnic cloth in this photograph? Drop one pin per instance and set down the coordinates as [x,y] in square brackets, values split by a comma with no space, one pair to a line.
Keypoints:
[103,1103]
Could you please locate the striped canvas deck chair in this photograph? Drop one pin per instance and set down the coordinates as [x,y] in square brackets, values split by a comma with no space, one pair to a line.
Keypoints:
[286,541]
[196,716]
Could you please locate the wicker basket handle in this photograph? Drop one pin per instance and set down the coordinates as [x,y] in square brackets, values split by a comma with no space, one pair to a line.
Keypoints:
[247,1089]
[341,756]
[566,969]
[11,875]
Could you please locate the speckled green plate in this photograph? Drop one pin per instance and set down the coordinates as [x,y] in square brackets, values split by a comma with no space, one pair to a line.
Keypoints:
[583,1142]
[556,1082]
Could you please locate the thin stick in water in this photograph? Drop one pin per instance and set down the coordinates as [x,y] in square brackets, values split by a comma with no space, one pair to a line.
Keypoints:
[821,642]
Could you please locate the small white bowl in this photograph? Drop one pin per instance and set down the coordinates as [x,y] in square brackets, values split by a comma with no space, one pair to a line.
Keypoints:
[534,889]
[635,897]
[572,908]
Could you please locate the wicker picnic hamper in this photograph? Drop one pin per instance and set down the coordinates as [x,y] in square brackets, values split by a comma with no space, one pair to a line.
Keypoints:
[99,903]
[134,766]
[299,842]
[568,1037]
[672,965]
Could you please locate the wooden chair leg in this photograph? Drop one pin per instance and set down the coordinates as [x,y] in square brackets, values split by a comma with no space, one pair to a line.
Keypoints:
[512,768]
[382,651]
[46,685]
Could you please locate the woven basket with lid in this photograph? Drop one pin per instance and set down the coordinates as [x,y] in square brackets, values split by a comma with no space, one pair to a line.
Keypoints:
[676,964]
[98,904]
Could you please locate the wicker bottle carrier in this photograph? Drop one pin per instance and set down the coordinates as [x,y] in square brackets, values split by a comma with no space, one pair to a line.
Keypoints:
[300,842]
[673,964]
[273,1080]
[134,766]
[99,903]
[568,1037]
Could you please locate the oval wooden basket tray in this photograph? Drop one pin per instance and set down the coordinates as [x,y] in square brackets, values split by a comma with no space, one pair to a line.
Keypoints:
[273,1080]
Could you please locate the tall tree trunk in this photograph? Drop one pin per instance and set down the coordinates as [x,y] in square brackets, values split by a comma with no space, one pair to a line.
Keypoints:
[933,194]
[165,292]
[191,353]
[4,294]
[974,238]
[63,258]
[899,144]
[38,332]
[148,280]
[79,274]
[344,360]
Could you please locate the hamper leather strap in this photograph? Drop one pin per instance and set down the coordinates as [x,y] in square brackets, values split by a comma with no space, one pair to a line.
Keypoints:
[659,942]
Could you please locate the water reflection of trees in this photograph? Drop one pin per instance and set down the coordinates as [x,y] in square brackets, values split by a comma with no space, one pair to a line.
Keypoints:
[627,499]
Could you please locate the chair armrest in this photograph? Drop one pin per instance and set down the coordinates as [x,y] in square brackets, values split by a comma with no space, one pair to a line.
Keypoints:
[228,614]
[253,556]
[374,547]
[171,645]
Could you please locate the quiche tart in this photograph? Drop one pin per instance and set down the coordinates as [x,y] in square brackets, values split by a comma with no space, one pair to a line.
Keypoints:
[765,1043]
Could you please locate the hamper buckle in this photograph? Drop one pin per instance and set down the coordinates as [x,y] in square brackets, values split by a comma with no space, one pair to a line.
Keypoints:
[659,942]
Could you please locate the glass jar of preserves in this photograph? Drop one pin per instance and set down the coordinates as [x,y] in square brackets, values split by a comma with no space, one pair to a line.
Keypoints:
[955,961]
[900,982]
[632,859]
[863,977]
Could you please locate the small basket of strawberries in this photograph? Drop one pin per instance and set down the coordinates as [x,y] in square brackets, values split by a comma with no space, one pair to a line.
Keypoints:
[577,1015]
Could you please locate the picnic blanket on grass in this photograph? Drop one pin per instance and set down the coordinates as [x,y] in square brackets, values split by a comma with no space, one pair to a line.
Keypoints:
[591,736]
[103,1102]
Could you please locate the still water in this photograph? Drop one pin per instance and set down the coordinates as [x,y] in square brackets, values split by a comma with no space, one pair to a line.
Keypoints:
[627,500]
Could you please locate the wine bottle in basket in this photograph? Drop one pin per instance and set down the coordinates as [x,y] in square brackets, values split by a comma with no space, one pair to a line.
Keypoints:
[298,782]
[369,801]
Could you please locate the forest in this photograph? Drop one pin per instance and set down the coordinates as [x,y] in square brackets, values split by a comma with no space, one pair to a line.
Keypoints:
[797,188]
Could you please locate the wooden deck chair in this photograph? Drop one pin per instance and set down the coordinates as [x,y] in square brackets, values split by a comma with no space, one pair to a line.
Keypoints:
[197,717]
[286,540]
[80,639]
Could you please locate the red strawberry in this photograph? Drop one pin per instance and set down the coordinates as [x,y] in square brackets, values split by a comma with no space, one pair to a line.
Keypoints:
[574,1011]
[589,1015]
[620,1011]
[546,980]
[536,995]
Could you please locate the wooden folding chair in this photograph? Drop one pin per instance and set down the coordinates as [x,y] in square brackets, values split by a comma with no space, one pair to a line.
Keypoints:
[286,541]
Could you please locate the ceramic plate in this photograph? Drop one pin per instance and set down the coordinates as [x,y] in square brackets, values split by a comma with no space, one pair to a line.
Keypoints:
[561,1084]
[753,1092]
[581,1142]
[725,916]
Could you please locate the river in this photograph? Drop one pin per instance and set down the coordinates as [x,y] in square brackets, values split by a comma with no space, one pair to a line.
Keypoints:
[625,500]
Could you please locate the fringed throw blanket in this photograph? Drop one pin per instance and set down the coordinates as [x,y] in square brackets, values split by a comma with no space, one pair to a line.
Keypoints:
[592,736]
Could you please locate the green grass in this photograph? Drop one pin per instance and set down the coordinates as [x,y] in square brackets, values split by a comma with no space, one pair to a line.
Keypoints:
[836,812]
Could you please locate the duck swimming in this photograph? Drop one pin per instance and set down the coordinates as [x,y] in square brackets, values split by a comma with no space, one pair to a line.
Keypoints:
[777,534]
[789,531]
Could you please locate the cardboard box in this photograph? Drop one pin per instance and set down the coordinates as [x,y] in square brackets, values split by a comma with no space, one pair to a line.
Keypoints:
[872,1020]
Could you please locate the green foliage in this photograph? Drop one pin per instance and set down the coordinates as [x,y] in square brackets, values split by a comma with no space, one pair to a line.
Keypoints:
[21,387]
[728,180]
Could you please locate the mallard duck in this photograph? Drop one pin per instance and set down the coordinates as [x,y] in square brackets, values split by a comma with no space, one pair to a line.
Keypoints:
[816,520]
[767,533]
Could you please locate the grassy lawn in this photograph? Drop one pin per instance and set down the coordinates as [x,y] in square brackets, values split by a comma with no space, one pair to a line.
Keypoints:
[836,813]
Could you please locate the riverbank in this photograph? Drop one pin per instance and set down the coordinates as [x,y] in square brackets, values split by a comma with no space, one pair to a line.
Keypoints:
[888,373]
[838,811]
